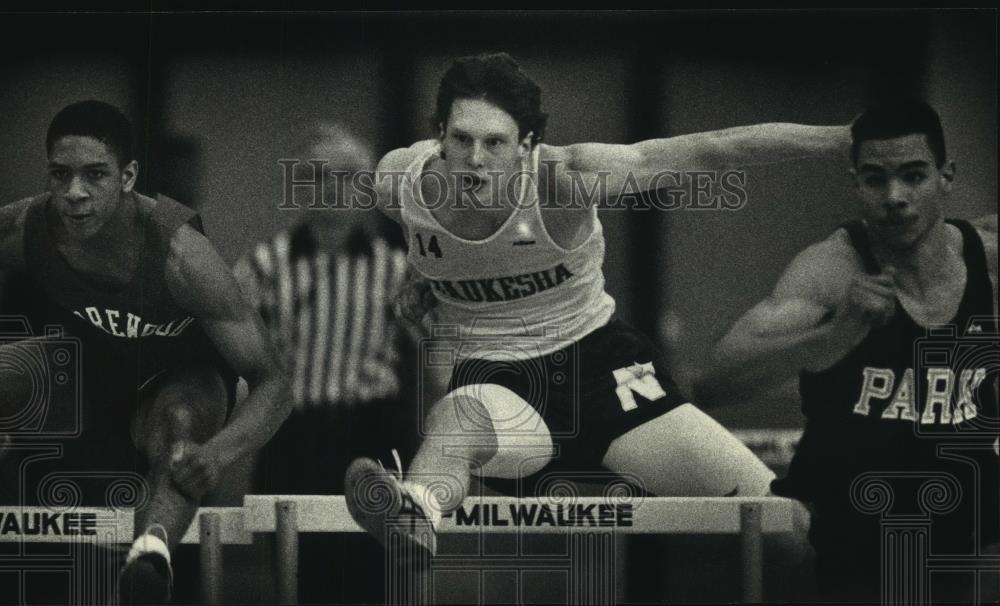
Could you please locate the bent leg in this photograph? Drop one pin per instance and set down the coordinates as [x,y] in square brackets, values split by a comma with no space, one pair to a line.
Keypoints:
[684,452]
[200,394]
[484,429]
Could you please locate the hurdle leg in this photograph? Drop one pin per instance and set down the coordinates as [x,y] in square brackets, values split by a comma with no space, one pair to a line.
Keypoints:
[751,552]
[593,577]
[287,559]
[210,544]
[408,570]
[621,568]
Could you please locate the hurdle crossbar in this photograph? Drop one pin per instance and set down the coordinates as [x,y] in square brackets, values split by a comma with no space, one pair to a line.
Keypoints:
[66,525]
[105,525]
[319,513]
[289,515]
[649,515]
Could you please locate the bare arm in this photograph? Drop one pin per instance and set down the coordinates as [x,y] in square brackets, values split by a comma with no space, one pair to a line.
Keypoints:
[822,307]
[202,284]
[645,163]
[247,280]
[12,218]
[987,228]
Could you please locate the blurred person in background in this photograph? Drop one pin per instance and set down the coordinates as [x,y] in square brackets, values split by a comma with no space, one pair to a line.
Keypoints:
[325,288]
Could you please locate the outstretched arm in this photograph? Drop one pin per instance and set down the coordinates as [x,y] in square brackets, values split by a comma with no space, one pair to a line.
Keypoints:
[823,306]
[203,285]
[645,163]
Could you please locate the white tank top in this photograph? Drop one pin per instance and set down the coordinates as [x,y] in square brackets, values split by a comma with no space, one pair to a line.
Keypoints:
[515,294]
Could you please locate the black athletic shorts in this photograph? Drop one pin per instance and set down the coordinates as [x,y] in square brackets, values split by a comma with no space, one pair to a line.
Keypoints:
[588,393]
[82,447]
[312,449]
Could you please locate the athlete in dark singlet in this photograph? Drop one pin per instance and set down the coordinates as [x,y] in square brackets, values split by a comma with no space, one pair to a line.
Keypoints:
[883,419]
[164,330]
[500,229]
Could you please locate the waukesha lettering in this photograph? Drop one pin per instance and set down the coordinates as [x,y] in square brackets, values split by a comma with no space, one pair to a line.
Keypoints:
[506,288]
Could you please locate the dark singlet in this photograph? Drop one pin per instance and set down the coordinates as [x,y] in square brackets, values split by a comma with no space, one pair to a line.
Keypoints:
[914,407]
[140,324]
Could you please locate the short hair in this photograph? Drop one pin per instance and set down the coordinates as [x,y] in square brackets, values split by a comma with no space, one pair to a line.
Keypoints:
[96,119]
[898,119]
[498,79]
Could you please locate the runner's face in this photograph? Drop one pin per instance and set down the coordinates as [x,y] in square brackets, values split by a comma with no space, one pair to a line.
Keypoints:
[87,184]
[481,146]
[901,188]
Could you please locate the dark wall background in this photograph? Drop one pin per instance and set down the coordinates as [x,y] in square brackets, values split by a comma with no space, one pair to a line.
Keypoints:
[217,99]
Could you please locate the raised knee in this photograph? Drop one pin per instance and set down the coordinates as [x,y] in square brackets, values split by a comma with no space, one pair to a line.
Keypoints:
[194,421]
[459,413]
[460,426]
[182,406]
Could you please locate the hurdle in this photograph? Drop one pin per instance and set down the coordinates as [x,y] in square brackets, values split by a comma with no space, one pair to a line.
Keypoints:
[211,528]
[750,518]
[288,515]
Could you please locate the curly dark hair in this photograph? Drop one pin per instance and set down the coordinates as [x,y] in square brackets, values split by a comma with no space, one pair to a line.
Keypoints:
[496,78]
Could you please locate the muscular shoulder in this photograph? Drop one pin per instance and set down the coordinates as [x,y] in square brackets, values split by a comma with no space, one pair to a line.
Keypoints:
[196,275]
[12,220]
[582,156]
[554,153]
[987,229]
[986,224]
[821,271]
[562,177]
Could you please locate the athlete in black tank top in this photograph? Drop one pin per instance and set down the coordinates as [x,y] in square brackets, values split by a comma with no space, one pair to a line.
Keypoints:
[141,321]
[887,413]
[158,314]
[891,325]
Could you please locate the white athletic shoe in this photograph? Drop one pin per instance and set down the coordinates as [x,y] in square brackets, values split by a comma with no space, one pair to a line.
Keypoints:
[147,577]
[402,516]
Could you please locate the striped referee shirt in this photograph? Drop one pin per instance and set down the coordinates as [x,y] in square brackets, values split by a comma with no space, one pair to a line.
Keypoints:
[330,313]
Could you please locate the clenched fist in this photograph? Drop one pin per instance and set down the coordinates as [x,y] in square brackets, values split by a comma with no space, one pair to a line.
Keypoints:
[195,469]
[415,300]
[869,302]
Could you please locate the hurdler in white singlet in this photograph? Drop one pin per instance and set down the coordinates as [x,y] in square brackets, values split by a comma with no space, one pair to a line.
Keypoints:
[516,294]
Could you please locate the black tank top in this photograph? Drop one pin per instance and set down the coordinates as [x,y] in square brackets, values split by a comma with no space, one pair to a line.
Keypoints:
[910,403]
[141,323]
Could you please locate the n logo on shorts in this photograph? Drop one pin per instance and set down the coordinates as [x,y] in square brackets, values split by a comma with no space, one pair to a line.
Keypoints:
[638,378]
